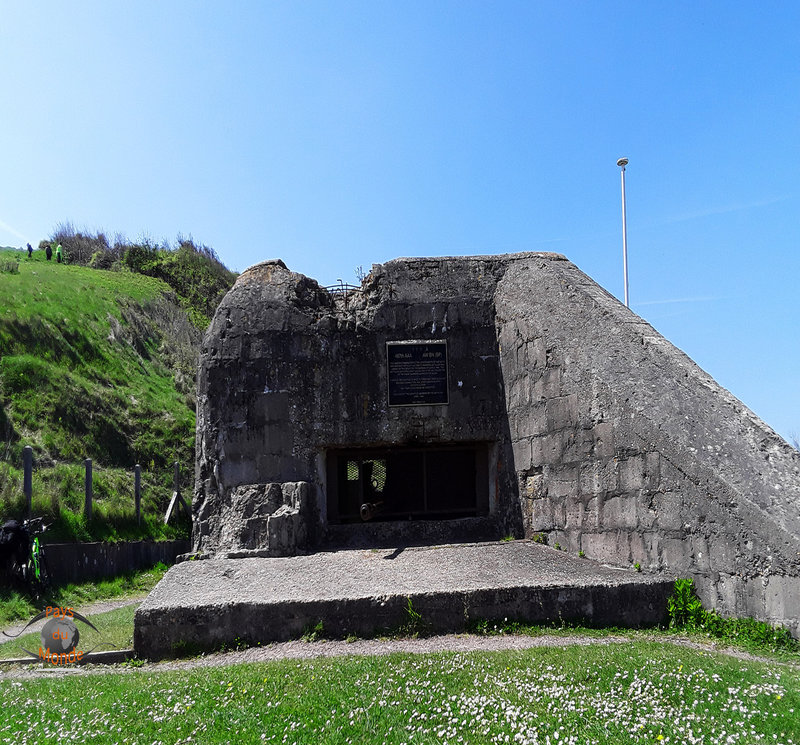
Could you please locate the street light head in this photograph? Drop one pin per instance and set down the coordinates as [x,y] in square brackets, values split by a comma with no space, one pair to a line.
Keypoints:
[622,162]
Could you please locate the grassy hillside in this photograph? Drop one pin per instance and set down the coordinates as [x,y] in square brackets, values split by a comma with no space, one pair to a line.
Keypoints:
[95,364]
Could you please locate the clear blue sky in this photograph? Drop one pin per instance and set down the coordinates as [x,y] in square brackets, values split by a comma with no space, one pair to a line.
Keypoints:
[341,134]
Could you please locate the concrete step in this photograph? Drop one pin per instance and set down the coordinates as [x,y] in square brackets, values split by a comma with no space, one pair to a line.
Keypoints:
[203,605]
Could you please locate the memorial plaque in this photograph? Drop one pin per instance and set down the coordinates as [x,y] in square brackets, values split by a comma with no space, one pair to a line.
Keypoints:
[417,373]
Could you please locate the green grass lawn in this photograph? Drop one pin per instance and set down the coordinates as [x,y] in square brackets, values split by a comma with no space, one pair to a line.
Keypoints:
[638,692]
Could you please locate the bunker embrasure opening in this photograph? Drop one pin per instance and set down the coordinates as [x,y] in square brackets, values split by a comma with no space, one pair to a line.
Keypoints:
[408,483]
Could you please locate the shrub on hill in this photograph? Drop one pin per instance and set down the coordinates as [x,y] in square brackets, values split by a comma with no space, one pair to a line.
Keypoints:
[79,247]
[9,263]
[192,270]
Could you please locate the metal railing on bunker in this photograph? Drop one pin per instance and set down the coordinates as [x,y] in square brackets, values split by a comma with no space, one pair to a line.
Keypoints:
[344,290]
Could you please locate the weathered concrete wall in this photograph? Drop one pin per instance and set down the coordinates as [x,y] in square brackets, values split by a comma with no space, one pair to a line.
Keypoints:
[627,450]
[287,373]
[266,519]
[605,436]
[85,562]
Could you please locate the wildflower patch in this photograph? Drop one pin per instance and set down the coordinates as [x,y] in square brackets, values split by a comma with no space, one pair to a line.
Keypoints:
[642,692]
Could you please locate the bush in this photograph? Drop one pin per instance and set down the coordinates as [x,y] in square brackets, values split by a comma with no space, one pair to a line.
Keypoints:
[80,247]
[9,264]
[142,258]
[194,271]
[684,607]
[102,259]
[686,612]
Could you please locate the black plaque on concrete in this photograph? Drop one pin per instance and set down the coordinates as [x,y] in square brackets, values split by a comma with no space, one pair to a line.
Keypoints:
[417,373]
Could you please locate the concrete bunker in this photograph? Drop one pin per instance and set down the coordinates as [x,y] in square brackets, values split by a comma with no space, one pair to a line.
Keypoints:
[543,406]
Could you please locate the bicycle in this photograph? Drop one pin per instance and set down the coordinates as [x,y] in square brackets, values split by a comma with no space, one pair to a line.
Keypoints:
[24,555]
[37,562]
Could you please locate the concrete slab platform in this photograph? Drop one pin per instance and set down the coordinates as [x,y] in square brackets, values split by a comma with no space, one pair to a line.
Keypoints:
[202,605]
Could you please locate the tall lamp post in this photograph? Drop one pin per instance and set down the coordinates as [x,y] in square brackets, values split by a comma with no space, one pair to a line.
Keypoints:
[622,162]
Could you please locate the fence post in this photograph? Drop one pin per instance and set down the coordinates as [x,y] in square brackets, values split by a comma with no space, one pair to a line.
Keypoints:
[27,480]
[176,496]
[137,491]
[87,505]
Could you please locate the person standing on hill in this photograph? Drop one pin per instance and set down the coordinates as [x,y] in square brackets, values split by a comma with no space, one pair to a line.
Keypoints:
[48,252]
[30,250]
[58,253]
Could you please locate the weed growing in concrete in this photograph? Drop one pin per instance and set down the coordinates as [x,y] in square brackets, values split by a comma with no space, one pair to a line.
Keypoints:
[413,625]
[686,612]
[683,606]
[314,633]
[235,646]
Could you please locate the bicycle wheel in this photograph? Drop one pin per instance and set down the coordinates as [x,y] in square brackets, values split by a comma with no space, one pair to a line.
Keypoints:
[19,575]
[44,570]
[36,572]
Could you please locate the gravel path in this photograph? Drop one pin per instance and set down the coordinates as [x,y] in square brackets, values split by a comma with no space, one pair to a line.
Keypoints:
[299,649]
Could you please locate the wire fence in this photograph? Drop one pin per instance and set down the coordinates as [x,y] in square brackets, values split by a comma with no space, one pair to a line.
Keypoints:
[175,502]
